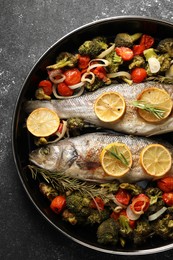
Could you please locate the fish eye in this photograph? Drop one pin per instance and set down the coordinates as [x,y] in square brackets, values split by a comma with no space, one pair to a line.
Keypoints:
[45,150]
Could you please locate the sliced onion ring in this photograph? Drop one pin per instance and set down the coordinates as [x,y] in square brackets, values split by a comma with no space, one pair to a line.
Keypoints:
[63,97]
[119,74]
[78,85]
[157,214]
[96,64]
[106,52]
[53,74]
[85,77]
[131,215]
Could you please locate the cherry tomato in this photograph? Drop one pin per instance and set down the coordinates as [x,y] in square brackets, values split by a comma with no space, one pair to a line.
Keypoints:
[115,215]
[46,85]
[165,184]
[58,204]
[97,203]
[64,90]
[124,52]
[140,203]
[138,49]
[83,62]
[138,75]
[123,197]
[147,41]
[100,72]
[73,76]
[168,198]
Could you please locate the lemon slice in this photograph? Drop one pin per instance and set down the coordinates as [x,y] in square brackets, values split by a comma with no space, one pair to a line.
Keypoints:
[156,160]
[116,159]
[158,100]
[109,106]
[42,122]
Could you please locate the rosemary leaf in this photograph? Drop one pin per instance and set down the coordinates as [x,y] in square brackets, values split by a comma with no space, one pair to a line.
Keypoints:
[119,157]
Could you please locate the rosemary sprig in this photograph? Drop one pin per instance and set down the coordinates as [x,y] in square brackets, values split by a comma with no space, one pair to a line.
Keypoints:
[119,156]
[157,112]
[63,183]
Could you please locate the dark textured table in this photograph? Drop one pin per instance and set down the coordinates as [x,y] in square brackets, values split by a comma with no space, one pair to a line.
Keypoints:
[27,29]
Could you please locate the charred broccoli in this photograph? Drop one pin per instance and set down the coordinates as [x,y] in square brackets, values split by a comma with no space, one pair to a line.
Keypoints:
[154,193]
[64,59]
[96,85]
[142,231]
[138,61]
[166,46]
[75,125]
[97,216]
[48,191]
[126,40]
[124,229]
[76,203]
[133,188]
[115,62]
[165,62]
[93,48]
[107,232]
[164,226]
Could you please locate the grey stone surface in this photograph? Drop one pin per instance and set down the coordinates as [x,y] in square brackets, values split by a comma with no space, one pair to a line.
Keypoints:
[27,29]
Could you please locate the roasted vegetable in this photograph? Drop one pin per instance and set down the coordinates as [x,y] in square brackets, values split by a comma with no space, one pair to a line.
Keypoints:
[107,232]
[165,62]
[138,61]
[93,48]
[40,94]
[75,203]
[97,216]
[115,62]
[64,59]
[48,191]
[166,46]
[142,231]
[75,125]
[96,85]
[124,229]
[164,226]
[133,188]
[126,40]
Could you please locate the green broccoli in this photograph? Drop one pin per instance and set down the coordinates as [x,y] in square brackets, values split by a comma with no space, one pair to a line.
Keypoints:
[96,85]
[48,191]
[138,61]
[64,59]
[154,193]
[93,48]
[133,188]
[107,232]
[165,62]
[166,46]
[75,203]
[164,226]
[97,216]
[114,60]
[142,231]
[126,40]
[75,125]
[124,229]
[39,94]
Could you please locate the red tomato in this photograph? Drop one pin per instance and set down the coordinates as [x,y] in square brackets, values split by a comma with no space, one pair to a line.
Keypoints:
[147,41]
[165,184]
[100,72]
[83,62]
[58,204]
[138,75]
[124,52]
[97,203]
[168,198]
[123,197]
[138,49]
[115,215]
[140,203]
[46,85]
[64,90]
[73,76]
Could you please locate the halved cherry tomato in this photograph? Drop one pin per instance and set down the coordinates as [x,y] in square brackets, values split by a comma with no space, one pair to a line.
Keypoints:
[123,197]
[168,198]
[138,49]
[58,204]
[138,75]
[147,41]
[100,72]
[165,184]
[140,203]
[125,53]
[64,90]
[73,76]
[46,85]
[83,62]
[97,203]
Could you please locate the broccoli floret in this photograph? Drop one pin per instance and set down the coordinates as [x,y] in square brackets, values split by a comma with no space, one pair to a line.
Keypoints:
[126,40]
[166,46]
[133,188]
[115,62]
[75,125]
[39,94]
[165,62]
[138,61]
[164,226]
[97,216]
[107,232]
[150,53]
[48,191]
[125,230]
[142,231]
[75,202]
[93,48]
[64,59]
[69,217]
[154,193]
[96,85]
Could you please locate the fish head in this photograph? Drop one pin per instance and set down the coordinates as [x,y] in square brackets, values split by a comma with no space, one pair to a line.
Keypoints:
[46,157]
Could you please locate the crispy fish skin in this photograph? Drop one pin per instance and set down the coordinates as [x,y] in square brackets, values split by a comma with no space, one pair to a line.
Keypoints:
[79,157]
[130,123]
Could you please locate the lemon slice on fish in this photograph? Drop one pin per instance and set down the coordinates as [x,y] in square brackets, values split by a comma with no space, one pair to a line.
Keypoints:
[109,106]
[156,160]
[42,122]
[116,159]
[157,104]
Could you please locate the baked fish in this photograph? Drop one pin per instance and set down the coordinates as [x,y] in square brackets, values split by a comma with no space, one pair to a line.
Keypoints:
[79,157]
[130,123]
